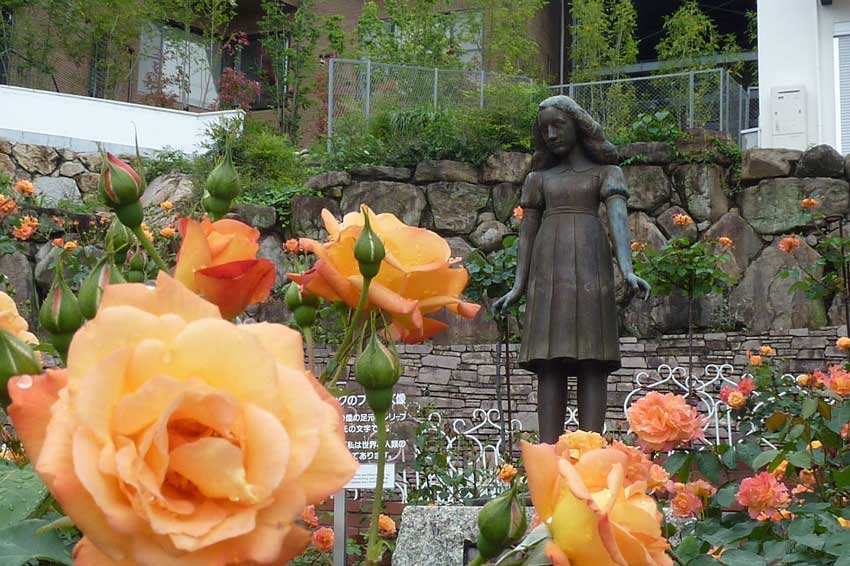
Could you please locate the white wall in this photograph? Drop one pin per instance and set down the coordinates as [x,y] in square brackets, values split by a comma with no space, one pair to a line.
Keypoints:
[79,123]
[795,46]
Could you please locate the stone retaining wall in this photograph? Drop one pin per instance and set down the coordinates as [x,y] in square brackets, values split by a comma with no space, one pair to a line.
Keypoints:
[457,379]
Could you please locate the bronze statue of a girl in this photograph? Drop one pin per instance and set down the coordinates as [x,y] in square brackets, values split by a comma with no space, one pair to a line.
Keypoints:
[564,264]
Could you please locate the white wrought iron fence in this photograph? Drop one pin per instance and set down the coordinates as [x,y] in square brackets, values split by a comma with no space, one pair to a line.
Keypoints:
[357,89]
[710,99]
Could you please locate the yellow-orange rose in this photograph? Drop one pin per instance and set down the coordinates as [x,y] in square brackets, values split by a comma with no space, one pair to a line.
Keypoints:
[416,277]
[594,516]
[579,442]
[177,438]
[12,322]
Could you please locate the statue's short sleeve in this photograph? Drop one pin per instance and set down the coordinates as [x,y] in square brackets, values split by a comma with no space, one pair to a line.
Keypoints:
[532,193]
[614,184]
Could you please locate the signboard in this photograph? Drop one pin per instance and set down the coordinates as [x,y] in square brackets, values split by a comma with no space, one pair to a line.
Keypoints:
[367,477]
[361,431]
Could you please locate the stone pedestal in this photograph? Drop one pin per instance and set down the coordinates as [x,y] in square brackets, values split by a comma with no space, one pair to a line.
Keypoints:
[437,536]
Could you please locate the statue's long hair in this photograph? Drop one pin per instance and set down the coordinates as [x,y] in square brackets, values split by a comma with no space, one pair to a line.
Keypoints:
[589,133]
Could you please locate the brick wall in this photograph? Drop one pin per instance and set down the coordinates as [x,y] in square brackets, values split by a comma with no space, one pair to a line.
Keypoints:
[457,379]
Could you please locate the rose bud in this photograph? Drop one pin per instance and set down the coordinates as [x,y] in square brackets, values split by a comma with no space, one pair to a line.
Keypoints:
[60,313]
[502,522]
[221,188]
[118,241]
[369,250]
[137,263]
[377,369]
[16,358]
[121,186]
[91,290]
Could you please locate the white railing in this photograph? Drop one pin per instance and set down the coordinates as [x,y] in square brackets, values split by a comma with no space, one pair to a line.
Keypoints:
[79,123]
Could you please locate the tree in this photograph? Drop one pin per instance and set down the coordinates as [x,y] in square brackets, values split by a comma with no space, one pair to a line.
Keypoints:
[690,34]
[504,41]
[604,36]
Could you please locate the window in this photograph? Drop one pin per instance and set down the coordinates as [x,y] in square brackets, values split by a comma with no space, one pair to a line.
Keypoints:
[176,65]
[842,85]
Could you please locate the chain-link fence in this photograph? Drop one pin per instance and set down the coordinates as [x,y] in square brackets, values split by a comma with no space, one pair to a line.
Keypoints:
[358,90]
[710,99]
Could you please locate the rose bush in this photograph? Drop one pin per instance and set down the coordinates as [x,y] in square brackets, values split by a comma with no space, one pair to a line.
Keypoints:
[177,438]
[416,277]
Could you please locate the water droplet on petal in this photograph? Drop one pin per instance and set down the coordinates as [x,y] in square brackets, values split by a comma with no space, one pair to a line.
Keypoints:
[24,382]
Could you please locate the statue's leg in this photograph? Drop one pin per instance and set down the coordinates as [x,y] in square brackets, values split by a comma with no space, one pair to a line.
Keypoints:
[592,396]
[551,402]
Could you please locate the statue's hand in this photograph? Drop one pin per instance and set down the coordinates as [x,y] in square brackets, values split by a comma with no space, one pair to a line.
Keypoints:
[506,301]
[638,284]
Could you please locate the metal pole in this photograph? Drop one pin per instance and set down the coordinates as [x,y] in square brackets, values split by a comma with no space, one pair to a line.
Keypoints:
[691,95]
[331,104]
[481,90]
[573,92]
[339,528]
[723,127]
[368,88]
[563,42]
[740,112]
[436,82]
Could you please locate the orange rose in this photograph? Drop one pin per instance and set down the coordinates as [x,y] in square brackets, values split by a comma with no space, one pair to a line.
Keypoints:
[218,260]
[416,276]
[175,437]
[291,245]
[725,241]
[309,517]
[763,496]
[25,187]
[789,243]
[809,203]
[637,247]
[663,422]
[7,206]
[594,516]
[682,220]
[736,400]
[323,539]
[507,473]
[577,443]
[12,322]
[843,343]
[519,212]
[386,526]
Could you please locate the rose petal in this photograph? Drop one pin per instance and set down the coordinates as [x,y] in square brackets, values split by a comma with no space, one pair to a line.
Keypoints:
[284,343]
[541,466]
[87,554]
[194,252]
[30,408]
[195,460]
[169,297]
[235,285]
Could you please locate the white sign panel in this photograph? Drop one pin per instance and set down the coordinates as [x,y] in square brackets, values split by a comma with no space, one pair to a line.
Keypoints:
[367,477]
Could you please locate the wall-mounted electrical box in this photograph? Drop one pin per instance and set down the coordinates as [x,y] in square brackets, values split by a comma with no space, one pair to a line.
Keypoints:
[788,117]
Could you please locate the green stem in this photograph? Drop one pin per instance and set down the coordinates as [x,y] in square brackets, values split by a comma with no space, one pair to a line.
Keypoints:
[478,561]
[149,248]
[311,349]
[373,553]
[334,370]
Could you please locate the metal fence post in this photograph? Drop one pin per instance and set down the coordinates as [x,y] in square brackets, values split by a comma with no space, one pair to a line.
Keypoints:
[368,88]
[691,98]
[723,126]
[331,103]
[481,90]
[573,92]
[436,82]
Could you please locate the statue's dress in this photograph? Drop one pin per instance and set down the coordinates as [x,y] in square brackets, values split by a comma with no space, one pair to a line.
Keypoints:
[571,313]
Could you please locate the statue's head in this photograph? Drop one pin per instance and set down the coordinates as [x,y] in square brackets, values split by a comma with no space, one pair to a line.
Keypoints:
[561,127]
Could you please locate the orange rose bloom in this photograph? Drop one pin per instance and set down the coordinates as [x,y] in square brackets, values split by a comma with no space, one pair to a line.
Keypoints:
[767,351]
[323,539]
[701,489]
[789,243]
[736,399]
[70,246]
[594,515]
[12,322]
[386,526]
[686,504]
[576,443]
[7,206]
[763,496]
[663,422]
[218,260]
[838,381]
[804,379]
[166,205]
[416,276]
[637,246]
[291,245]
[507,473]
[23,232]
[176,437]
[682,220]
[725,241]
[58,242]
[519,212]
[755,360]
[843,343]
[809,203]
[309,517]
[167,232]
[25,187]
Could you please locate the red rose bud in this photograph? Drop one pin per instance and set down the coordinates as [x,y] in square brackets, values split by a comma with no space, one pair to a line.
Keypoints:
[91,290]
[377,369]
[368,249]
[60,313]
[221,187]
[121,187]
[502,522]
[16,358]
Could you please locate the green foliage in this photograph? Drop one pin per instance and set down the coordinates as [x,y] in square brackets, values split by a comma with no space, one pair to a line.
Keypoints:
[405,137]
[492,276]
[167,161]
[694,268]
[415,32]
[23,518]
[690,33]
[604,33]
[506,44]
[290,41]
[660,126]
